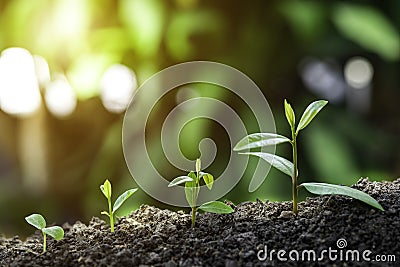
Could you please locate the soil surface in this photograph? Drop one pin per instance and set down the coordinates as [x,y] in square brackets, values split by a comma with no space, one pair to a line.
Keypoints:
[150,236]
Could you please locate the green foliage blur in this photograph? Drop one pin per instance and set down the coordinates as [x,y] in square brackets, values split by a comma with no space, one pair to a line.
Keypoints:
[298,50]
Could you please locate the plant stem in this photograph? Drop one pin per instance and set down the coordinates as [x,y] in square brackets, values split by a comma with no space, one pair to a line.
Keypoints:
[44,242]
[294,178]
[111,215]
[195,189]
[193,216]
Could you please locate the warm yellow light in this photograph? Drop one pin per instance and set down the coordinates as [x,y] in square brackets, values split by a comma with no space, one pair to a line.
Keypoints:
[117,86]
[60,97]
[19,90]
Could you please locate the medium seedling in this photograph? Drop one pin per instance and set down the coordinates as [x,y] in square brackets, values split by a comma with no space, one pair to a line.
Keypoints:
[106,189]
[258,140]
[39,222]
[192,189]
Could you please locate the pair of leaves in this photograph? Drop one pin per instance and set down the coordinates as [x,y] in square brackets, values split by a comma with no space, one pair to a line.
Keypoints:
[192,190]
[191,182]
[257,140]
[39,222]
[191,179]
[308,115]
[106,189]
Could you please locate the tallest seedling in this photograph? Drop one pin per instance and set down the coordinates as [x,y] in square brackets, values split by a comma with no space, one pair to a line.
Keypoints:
[258,140]
[307,117]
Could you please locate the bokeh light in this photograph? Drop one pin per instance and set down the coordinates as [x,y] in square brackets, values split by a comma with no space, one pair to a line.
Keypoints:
[117,86]
[19,90]
[60,97]
[358,72]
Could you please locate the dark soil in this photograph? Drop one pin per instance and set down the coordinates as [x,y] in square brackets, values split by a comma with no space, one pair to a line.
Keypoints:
[150,236]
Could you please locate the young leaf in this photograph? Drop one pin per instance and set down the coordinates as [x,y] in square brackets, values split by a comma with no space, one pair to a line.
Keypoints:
[106,189]
[260,140]
[36,220]
[122,198]
[216,207]
[198,165]
[331,189]
[105,213]
[180,180]
[310,112]
[193,176]
[55,232]
[191,193]
[289,114]
[280,163]
[208,179]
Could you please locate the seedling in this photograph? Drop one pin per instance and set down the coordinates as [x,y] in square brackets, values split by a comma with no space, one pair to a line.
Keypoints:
[39,222]
[192,189]
[258,140]
[106,189]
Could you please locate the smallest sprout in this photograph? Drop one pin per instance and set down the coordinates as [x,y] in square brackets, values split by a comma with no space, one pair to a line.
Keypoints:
[106,189]
[39,222]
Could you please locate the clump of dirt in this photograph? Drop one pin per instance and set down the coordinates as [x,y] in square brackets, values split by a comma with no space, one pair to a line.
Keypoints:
[150,236]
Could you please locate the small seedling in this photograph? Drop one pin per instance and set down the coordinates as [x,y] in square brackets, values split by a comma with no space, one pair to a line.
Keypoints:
[192,189]
[39,222]
[106,189]
[258,140]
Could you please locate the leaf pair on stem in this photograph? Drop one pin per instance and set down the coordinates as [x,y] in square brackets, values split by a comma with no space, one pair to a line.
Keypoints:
[39,222]
[192,189]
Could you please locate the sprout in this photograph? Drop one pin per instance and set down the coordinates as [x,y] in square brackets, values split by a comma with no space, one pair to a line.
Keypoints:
[258,140]
[39,222]
[106,189]
[192,189]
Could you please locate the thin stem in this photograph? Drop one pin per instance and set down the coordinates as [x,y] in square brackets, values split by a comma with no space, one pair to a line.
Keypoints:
[193,216]
[44,242]
[111,215]
[194,200]
[294,178]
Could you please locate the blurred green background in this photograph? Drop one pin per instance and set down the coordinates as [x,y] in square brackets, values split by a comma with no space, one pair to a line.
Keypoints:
[69,67]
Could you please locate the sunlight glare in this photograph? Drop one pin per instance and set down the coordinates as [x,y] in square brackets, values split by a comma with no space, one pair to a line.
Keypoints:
[116,87]
[19,90]
[60,97]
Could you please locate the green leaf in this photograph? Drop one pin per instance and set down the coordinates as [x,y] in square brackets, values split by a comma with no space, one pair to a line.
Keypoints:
[291,118]
[208,179]
[106,189]
[216,207]
[369,28]
[193,176]
[55,232]
[280,163]
[105,213]
[310,112]
[180,180]
[36,220]
[259,140]
[122,198]
[331,189]
[191,193]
